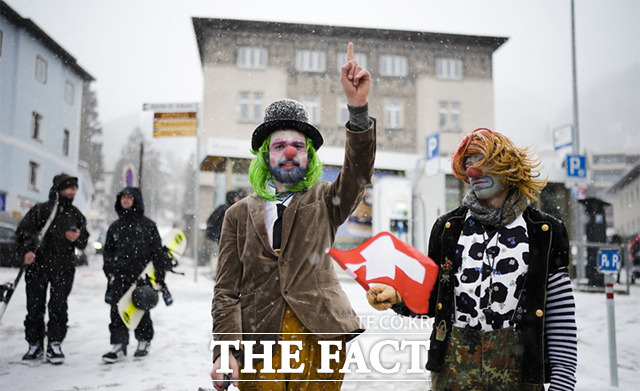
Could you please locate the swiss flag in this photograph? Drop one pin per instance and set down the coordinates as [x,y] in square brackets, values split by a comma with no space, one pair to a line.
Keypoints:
[388,260]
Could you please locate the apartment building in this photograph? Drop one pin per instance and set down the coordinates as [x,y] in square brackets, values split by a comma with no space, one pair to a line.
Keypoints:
[626,202]
[424,84]
[41,95]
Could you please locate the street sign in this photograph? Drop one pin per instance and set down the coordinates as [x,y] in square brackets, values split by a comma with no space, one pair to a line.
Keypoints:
[129,176]
[609,261]
[562,137]
[170,107]
[433,146]
[577,166]
[171,124]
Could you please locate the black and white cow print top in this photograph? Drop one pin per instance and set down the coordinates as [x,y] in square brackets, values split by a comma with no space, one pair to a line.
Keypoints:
[492,274]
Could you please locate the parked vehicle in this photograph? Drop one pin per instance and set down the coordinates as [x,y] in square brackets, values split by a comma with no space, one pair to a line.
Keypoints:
[99,243]
[8,254]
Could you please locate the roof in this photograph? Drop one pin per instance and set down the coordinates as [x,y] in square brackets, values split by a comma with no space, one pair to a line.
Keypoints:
[626,178]
[201,25]
[36,32]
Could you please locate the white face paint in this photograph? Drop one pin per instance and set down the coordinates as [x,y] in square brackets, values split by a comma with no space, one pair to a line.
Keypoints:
[288,156]
[487,187]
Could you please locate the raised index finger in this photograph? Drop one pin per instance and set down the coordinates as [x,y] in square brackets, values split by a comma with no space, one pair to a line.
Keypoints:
[350,51]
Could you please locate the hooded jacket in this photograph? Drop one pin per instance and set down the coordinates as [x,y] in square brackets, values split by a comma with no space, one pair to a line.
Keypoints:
[53,251]
[132,242]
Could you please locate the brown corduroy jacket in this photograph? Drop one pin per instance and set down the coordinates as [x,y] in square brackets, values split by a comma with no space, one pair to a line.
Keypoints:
[254,284]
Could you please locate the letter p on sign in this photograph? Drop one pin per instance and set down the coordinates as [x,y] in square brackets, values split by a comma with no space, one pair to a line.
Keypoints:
[576,166]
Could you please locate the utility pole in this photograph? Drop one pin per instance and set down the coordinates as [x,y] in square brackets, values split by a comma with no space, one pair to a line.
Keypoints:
[575,146]
[140,168]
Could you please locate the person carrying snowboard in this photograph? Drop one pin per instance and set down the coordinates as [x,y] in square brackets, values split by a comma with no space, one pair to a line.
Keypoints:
[132,242]
[46,238]
[273,274]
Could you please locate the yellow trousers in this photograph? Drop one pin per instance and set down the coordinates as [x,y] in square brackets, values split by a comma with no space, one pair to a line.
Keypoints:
[309,379]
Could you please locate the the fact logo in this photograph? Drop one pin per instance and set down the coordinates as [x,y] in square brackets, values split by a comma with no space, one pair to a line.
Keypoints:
[355,357]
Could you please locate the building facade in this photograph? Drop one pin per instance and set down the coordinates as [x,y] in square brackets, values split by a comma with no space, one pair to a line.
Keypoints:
[41,95]
[424,84]
[605,168]
[626,203]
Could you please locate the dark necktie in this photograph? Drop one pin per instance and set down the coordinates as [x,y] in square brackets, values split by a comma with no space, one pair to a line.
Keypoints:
[277,227]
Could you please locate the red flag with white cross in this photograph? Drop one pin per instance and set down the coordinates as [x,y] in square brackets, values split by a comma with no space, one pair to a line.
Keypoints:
[388,260]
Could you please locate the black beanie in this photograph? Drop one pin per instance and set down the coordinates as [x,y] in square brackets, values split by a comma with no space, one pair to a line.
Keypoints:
[64,181]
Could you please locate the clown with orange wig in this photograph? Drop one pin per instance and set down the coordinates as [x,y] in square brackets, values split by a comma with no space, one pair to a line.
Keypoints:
[503,308]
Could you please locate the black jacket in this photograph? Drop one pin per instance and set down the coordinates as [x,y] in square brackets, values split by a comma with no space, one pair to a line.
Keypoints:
[548,251]
[55,251]
[132,242]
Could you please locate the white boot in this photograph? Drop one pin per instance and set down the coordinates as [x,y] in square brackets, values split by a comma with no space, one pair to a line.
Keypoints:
[143,349]
[117,353]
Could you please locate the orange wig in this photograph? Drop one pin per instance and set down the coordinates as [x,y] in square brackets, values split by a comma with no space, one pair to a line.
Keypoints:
[501,157]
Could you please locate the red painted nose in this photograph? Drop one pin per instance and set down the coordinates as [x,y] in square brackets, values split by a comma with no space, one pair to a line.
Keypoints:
[473,172]
[290,152]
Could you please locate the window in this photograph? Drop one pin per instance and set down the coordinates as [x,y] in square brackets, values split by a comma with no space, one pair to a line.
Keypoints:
[454,192]
[343,111]
[66,137]
[69,92]
[393,114]
[393,66]
[41,69]
[250,106]
[449,117]
[252,57]
[0,43]
[311,61]
[608,159]
[34,176]
[455,116]
[36,126]
[448,68]
[312,103]
[361,58]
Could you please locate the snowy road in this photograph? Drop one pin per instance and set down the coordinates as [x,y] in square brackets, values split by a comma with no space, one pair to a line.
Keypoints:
[180,355]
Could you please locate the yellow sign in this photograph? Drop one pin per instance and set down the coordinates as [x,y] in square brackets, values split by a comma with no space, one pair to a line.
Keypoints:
[175,124]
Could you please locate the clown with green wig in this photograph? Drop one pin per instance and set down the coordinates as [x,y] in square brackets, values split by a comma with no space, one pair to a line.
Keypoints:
[274,280]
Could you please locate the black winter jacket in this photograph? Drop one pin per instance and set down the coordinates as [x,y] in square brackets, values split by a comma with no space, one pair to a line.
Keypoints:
[548,251]
[132,242]
[55,251]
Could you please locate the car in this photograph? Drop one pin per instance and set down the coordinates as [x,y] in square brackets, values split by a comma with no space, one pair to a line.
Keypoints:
[99,243]
[8,253]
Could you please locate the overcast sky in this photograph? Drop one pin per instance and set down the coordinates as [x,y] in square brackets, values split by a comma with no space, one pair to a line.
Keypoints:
[145,51]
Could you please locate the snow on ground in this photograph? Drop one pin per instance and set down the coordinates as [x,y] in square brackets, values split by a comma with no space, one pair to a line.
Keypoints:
[180,355]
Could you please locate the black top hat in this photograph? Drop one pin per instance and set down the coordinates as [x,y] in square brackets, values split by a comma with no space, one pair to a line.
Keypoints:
[285,114]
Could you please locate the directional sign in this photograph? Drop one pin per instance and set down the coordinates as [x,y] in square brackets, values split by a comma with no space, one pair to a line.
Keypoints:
[433,146]
[175,124]
[170,107]
[609,261]
[577,166]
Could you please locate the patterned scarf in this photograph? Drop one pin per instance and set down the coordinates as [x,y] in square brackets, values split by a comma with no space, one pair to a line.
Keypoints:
[513,206]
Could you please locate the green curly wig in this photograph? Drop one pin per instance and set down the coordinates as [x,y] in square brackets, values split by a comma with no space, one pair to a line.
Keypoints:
[260,174]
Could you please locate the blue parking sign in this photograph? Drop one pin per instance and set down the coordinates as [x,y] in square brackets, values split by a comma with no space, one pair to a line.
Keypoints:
[577,166]
[433,146]
[609,261]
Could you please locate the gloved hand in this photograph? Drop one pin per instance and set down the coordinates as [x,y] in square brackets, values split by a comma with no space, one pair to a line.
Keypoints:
[382,297]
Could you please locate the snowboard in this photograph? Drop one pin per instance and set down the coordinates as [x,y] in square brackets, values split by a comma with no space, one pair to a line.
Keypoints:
[175,242]
[6,291]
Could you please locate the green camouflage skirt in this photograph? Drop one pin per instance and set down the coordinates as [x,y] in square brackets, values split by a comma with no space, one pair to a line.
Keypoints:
[478,360]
